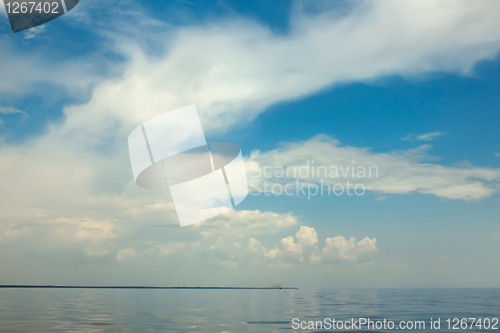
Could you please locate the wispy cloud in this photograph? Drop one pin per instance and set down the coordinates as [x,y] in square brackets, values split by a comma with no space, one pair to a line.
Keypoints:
[398,172]
[186,2]
[429,136]
[497,154]
[423,137]
[9,109]
[34,32]
[409,137]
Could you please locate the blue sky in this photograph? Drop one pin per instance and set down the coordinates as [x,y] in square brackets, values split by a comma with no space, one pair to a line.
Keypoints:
[289,82]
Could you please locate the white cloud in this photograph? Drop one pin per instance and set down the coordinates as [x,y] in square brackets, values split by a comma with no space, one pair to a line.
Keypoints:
[34,32]
[307,237]
[95,229]
[399,172]
[37,227]
[239,224]
[307,243]
[125,254]
[235,243]
[409,137]
[226,237]
[336,249]
[497,154]
[423,137]
[429,136]
[9,109]
[235,69]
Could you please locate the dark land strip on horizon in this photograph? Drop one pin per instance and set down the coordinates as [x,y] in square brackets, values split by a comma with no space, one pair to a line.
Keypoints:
[133,287]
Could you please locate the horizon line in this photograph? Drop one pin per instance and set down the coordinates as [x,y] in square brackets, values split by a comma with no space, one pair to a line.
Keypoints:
[13,286]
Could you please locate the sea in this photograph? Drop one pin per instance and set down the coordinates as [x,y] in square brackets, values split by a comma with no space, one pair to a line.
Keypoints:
[274,310]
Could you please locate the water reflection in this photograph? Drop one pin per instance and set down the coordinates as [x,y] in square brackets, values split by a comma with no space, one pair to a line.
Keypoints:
[88,310]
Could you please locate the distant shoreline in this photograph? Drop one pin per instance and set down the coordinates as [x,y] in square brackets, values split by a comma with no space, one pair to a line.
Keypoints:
[132,287]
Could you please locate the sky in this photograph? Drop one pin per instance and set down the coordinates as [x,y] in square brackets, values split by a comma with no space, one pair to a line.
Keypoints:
[410,88]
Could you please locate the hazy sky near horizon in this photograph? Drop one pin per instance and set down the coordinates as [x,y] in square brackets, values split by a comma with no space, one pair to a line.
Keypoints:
[411,87]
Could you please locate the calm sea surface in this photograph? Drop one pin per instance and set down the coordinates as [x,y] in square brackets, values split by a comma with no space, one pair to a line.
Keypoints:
[111,310]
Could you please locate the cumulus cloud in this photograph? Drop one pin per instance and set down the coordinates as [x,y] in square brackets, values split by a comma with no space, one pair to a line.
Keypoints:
[305,249]
[307,243]
[232,237]
[338,248]
[226,236]
[400,172]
